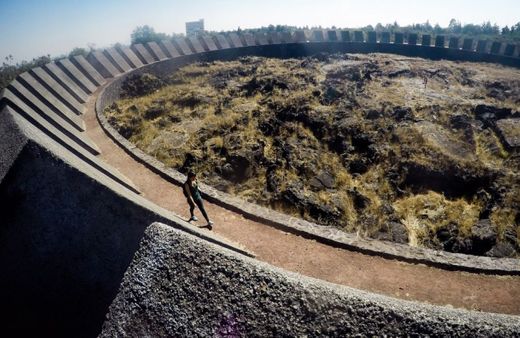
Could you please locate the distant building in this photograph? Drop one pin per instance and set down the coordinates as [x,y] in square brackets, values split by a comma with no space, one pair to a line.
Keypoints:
[194,27]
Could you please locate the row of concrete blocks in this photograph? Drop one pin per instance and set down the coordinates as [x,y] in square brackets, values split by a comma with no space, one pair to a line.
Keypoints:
[54,97]
[117,60]
[454,42]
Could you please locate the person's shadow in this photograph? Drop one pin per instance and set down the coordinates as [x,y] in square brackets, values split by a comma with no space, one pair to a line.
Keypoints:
[206,226]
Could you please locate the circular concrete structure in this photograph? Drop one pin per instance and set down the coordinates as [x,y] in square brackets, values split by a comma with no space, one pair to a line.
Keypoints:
[74,222]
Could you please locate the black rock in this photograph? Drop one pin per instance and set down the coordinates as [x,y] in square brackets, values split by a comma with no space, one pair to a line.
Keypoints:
[237,169]
[360,201]
[484,236]
[448,236]
[272,181]
[510,235]
[373,114]
[502,249]
[357,166]
[326,179]
[402,114]
[140,84]
[313,120]
[489,114]
[294,196]
[398,232]
[452,180]
[460,121]
[264,85]
[462,245]
[154,112]
[315,184]
[331,95]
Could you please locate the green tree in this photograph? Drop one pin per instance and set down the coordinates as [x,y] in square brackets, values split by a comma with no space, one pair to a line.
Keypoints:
[143,34]
[454,27]
[78,51]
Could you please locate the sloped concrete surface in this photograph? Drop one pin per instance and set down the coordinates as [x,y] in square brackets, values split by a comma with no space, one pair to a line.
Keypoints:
[178,285]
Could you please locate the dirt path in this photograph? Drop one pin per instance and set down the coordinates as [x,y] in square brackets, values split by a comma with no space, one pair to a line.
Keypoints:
[418,282]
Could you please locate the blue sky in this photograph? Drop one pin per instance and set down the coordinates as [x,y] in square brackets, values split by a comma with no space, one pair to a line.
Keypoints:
[30,28]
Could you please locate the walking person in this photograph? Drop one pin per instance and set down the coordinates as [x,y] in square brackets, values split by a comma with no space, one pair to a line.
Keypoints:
[192,193]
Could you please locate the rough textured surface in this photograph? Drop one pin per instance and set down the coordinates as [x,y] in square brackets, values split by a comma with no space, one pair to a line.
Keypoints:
[12,141]
[63,238]
[327,234]
[67,232]
[509,130]
[180,286]
[300,134]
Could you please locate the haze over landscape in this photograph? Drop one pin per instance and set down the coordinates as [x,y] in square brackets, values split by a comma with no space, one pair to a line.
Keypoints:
[32,28]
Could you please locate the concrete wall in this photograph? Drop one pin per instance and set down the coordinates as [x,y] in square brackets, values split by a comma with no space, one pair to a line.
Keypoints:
[67,234]
[178,285]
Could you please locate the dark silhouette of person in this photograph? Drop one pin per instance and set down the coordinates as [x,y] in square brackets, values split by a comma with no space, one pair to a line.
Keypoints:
[192,193]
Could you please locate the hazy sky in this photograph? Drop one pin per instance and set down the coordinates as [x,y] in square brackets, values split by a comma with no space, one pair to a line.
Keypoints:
[30,28]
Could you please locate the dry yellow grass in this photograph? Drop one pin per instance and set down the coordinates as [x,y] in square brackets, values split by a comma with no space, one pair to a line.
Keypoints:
[199,116]
[424,214]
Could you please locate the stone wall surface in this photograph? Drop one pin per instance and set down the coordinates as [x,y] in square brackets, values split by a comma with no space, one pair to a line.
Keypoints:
[178,285]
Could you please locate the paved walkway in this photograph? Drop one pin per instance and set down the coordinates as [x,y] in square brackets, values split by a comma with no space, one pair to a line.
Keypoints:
[418,282]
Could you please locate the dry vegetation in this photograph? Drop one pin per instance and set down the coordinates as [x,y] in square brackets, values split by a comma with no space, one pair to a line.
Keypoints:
[390,147]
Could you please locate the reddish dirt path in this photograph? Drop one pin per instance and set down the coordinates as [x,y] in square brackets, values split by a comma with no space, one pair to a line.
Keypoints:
[418,282]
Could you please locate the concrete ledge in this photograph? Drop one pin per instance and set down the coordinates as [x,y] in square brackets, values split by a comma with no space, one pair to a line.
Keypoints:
[117,59]
[235,40]
[66,82]
[77,75]
[324,234]
[196,45]
[182,46]
[27,104]
[53,101]
[170,48]
[103,64]
[47,80]
[87,69]
[222,42]
[178,285]
[156,51]
[130,57]
[209,43]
